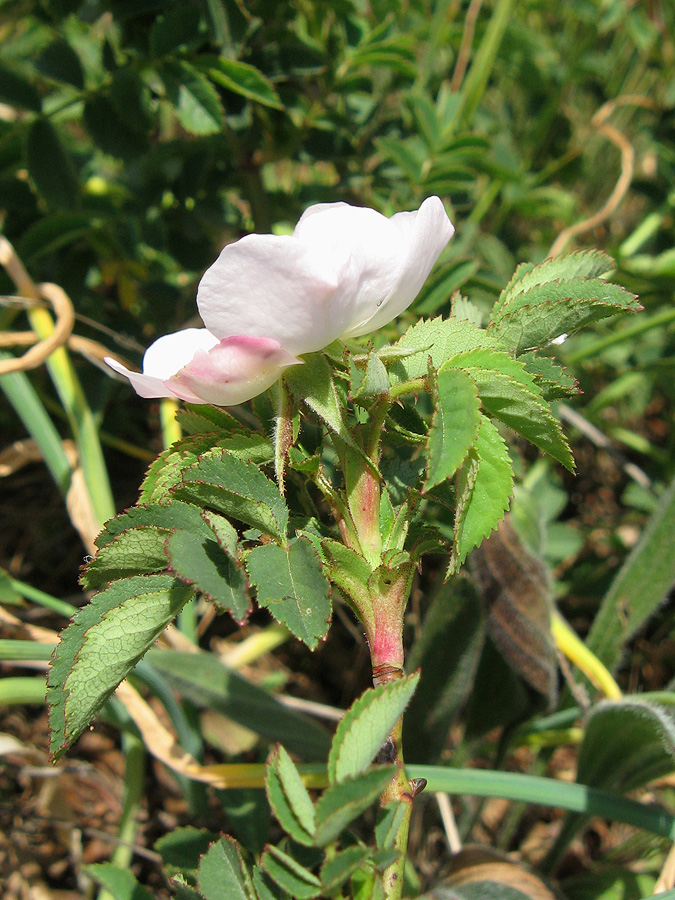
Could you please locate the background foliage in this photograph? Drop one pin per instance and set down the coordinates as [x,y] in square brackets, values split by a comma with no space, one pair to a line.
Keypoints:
[136,138]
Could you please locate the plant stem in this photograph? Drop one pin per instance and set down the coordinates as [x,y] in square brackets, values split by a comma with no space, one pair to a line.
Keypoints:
[397,791]
[134,778]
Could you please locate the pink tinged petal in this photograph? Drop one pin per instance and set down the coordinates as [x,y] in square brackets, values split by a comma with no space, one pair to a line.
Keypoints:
[171,352]
[277,287]
[145,385]
[424,235]
[235,370]
[166,356]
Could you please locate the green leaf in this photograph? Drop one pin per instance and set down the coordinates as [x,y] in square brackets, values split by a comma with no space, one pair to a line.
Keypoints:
[389,821]
[261,885]
[484,489]
[499,361]
[641,586]
[291,877]
[236,488]
[169,516]
[50,166]
[131,99]
[438,340]
[523,410]
[182,848]
[182,889]
[54,231]
[166,471]
[627,743]
[119,883]
[341,803]
[222,873]
[547,792]
[394,53]
[8,593]
[112,133]
[241,78]
[101,646]
[552,379]
[288,797]
[336,870]
[447,652]
[206,682]
[212,568]
[59,61]
[538,316]
[195,100]
[366,725]
[454,425]
[177,28]
[16,91]
[579,264]
[135,551]
[292,586]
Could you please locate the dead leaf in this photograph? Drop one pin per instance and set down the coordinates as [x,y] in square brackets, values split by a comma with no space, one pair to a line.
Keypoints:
[515,591]
[477,868]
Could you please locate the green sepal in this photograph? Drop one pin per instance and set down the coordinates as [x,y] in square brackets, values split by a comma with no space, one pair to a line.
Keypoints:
[369,384]
[350,572]
[313,384]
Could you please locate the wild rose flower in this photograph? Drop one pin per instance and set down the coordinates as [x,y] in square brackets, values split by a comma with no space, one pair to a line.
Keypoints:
[344,272]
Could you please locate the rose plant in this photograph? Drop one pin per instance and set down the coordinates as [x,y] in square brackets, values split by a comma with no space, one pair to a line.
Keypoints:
[403,444]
